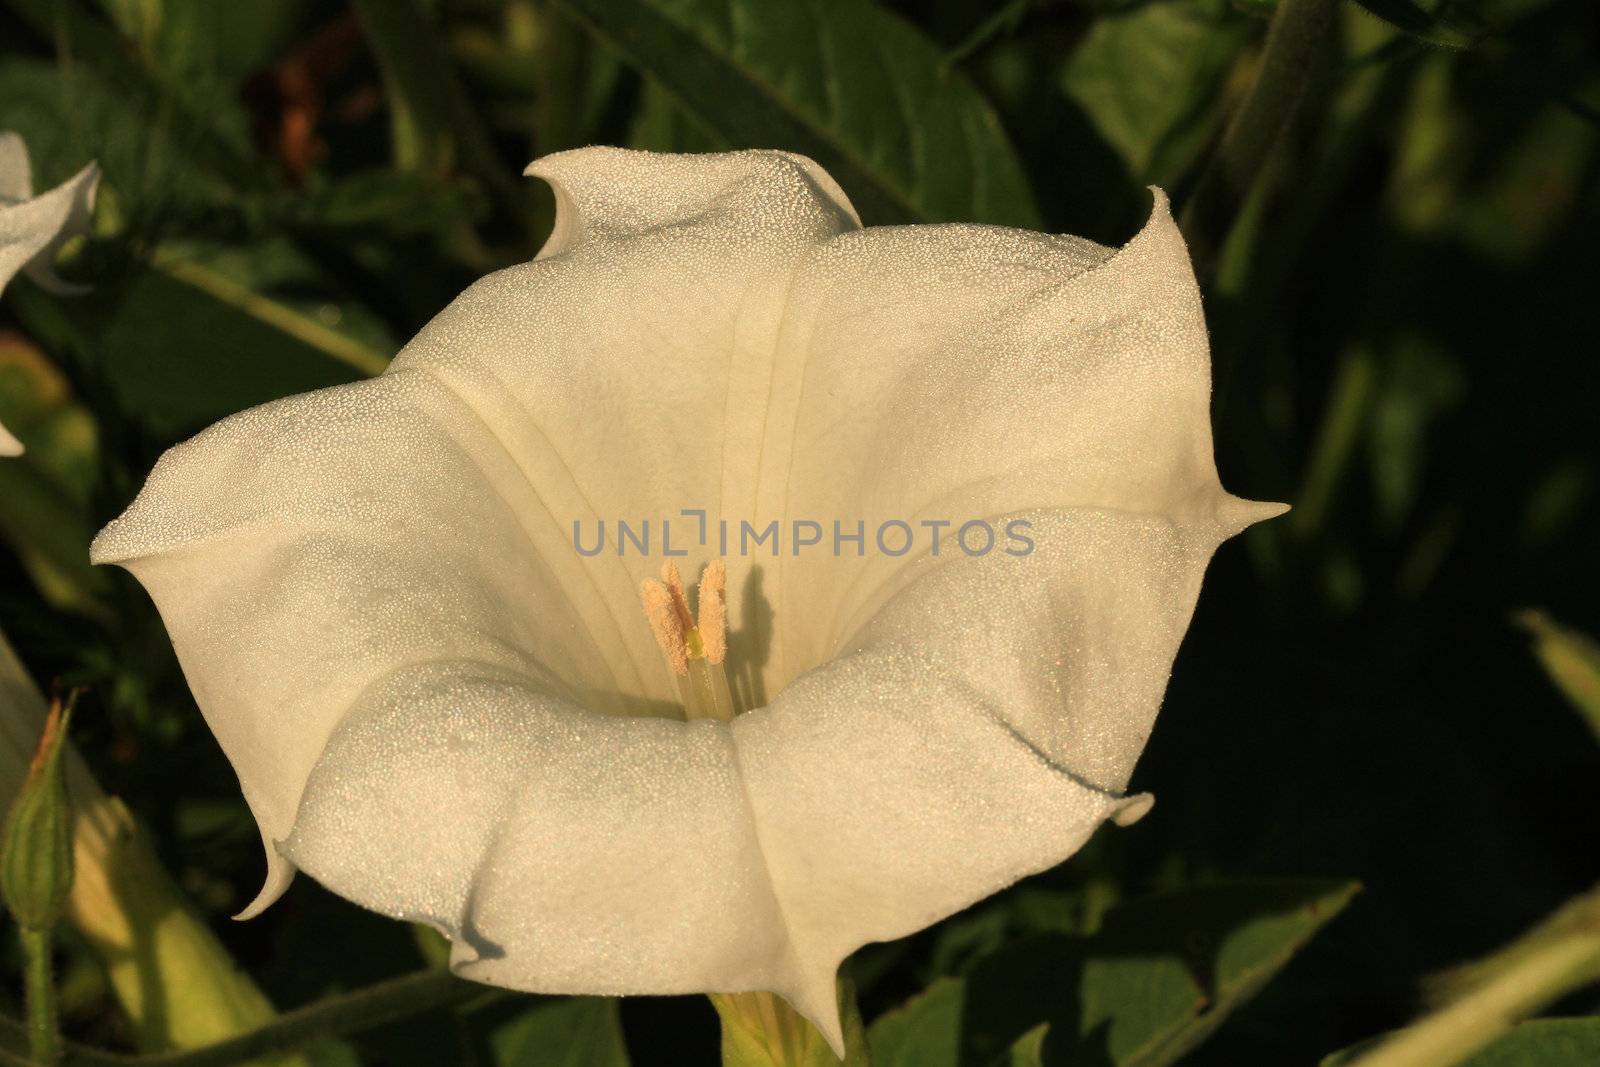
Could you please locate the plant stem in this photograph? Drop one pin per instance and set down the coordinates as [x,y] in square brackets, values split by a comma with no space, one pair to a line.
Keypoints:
[1559,957]
[763,1030]
[363,1009]
[302,328]
[1297,31]
[44,1039]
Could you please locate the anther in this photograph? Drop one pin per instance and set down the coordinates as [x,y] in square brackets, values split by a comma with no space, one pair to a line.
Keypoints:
[680,601]
[713,625]
[666,623]
[695,652]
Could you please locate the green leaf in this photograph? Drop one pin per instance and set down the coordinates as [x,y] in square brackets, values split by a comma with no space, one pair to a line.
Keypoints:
[925,1031]
[397,203]
[1418,22]
[1349,407]
[1571,659]
[1485,999]
[1536,1043]
[572,1032]
[854,87]
[662,124]
[210,145]
[1150,81]
[1025,910]
[1157,979]
[70,114]
[1419,384]
[185,345]
[228,349]
[206,48]
[1223,944]
[435,126]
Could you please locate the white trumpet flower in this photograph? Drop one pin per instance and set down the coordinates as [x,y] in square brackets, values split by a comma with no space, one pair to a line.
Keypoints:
[441,710]
[33,228]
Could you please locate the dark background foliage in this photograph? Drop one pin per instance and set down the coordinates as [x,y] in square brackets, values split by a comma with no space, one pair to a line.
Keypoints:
[1405,333]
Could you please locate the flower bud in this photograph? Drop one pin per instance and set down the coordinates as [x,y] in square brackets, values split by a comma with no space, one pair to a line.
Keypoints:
[36,848]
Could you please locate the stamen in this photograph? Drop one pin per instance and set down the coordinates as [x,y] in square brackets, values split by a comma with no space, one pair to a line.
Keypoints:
[680,600]
[714,611]
[695,653]
[706,693]
[665,623]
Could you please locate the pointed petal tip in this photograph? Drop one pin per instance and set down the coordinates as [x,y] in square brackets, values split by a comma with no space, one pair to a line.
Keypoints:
[267,897]
[829,1025]
[271,890]
[1234,514]
[1159,218]
[1157,241]
[834,1036]
[1132,808]
[280,872]
[67,212]
[87,180]
[817,998]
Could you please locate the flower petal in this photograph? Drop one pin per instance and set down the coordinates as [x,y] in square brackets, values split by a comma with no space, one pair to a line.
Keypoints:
[562,850]
[978,730]
[303,550]
[16,172]
[944,374]
[627,368]
[9,445]
[611,194]
[32,231]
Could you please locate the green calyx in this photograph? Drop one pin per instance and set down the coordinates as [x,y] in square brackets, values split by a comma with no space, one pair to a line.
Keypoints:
[36,847]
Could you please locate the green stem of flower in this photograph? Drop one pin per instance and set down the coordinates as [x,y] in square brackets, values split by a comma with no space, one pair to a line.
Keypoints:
[1296,34]
[44,1037]
[762,1030]
[363,1009]
[1560,957]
